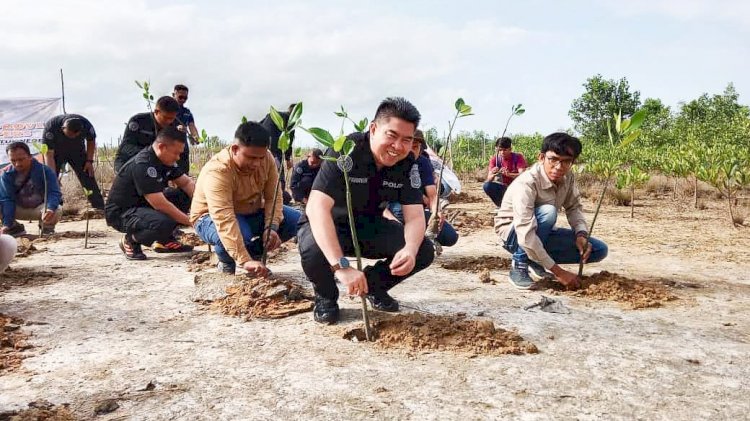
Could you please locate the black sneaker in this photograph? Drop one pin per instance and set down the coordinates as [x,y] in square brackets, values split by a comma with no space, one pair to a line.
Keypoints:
[383,302]
[326,310]
[48,231]
[16,230]
[131,249]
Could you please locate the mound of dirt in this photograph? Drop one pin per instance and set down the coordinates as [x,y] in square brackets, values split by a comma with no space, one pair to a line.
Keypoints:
[25,247]
[605,286]
[191,239]
[422,332]
[467,222]
[465,197]
[68,235]
[477,264]
[263,298]
[486,278]
[200,261]
[26,277]
[81,215]
[13,341]
[40,411]
[278,254]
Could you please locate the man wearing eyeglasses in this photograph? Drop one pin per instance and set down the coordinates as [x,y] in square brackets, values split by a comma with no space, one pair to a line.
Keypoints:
[187,121]
[527,215]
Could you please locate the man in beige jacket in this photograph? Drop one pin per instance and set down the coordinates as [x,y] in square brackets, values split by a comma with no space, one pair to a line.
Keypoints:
[233,207]
[526,218]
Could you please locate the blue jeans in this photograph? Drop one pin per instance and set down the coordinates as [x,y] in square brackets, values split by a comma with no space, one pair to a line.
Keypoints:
[495,191]
[251,226]
[446,237]
[560,244]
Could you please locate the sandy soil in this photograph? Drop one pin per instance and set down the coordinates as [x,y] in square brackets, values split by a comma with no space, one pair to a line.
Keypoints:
[104,330]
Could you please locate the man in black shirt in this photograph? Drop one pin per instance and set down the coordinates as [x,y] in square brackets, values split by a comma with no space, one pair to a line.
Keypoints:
[304,174]
[281,158]
[383,171]
[64,136]
[142,128]
[142,206]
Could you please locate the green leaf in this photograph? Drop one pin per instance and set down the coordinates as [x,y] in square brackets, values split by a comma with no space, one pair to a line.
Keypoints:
[520,111]
[618,123]
[459,103]
[322,136]
[151,97]
[637,119]
[630,138]
[139,84]
[329,158]
[465,109]
[362,125]
[284,141]
[244,119]
[43,149]
[609,132]
[625,124]
[204,134]
[145,95]
[339,143]
[295,115]
[348,146]
[87,192]
[278,120]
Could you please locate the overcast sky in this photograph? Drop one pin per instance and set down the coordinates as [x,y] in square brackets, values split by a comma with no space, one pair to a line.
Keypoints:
[240,57]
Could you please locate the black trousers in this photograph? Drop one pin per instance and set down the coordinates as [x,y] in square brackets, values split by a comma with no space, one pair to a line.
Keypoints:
[379,238]
[302,190]
[145,224]
[76,158]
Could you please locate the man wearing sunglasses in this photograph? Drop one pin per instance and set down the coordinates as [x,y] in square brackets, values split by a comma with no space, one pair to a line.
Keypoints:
[187,121]
[526,218]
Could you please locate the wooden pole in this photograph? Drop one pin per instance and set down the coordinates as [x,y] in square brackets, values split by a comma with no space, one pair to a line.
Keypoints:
[62,87]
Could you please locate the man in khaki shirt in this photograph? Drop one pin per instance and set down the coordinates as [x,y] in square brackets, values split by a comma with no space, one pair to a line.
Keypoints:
[233,203]
[527,215]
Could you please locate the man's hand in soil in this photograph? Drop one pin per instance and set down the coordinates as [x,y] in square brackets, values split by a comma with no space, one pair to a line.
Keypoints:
[48,216]
[403,262]
[354,280]
[273,242]
[582,244]
[255,268]
[569,279]
[88,168]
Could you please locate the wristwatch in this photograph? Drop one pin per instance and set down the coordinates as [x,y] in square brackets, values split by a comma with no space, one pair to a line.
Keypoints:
[342,264]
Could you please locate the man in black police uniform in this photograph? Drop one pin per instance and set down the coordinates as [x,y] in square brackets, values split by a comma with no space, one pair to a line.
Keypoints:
[185,119]
[303,175]
[142,206]
[382,172]
[64,136]
[142,128]
[286,157]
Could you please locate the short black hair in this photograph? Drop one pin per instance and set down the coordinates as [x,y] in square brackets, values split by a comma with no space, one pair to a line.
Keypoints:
[73,124]
[503,142]
[167,104]
[398,107]
[562,144]
[180,87]
[316,153]
[18,145]
[170,134]
[252,134]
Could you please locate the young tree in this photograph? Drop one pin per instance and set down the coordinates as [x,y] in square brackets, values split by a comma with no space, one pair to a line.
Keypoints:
[602,99]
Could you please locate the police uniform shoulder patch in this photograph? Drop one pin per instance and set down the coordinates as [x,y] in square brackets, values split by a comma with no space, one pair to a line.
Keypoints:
[298,170]
[49,136]
[414,178]
[151,171]
[133,126]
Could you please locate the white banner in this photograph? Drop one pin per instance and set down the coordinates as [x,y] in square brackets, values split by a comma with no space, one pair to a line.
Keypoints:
[22,120]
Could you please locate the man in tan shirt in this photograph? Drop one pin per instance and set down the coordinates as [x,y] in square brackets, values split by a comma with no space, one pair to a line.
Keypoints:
[527,215]
[233,207]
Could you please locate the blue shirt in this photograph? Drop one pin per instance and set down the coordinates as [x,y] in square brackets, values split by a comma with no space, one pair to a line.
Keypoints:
[37,174]
[184,116]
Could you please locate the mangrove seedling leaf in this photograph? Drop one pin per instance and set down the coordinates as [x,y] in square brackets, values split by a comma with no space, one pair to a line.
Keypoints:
[322,136]
[278,120]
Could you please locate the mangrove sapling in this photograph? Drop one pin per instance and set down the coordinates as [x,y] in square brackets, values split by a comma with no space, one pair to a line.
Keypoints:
[433,225]
[87,193]
[286,128]
[514,110]
[626,131]
[42,148]
[344,147]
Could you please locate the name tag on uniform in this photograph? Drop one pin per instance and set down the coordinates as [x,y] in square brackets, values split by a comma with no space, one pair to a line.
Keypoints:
[392,185]
[358,180]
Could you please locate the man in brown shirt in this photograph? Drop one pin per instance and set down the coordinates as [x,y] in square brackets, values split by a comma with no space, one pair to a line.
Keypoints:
[233,207]
[527,215]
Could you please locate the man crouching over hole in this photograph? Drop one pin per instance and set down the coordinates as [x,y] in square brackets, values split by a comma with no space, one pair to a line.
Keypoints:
[380,174]
[234,209]
[141,204]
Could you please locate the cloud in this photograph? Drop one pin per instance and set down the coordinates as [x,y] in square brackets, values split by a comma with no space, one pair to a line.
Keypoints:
[728,11]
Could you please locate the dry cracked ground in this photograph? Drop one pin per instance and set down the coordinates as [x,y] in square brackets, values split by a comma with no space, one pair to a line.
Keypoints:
[105,338]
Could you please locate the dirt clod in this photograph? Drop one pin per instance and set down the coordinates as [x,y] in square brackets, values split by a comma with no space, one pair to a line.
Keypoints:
[263,298]
[13,341]
[106,406]
[465,197]
[606,286]
[485,278]
[423,332]
[40,411]
[191,239]
[477,264]
[199,261]
[466,222]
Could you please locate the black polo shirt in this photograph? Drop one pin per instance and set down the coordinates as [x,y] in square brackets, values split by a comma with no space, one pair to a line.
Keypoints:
[371,188]
[142,175]
[275,133]
[303,173]
[140,133]
[55,139]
